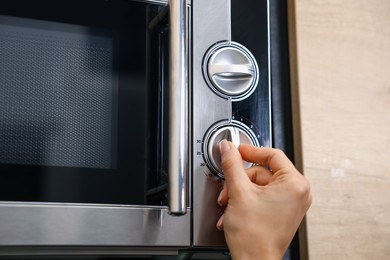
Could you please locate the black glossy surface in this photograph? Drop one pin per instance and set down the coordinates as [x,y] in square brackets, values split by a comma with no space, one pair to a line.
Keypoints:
[249,28]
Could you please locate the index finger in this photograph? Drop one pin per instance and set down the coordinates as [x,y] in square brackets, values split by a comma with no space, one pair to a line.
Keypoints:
[273,158]
[233,170]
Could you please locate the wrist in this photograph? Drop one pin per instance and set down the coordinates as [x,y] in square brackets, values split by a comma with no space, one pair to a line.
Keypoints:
[258,254]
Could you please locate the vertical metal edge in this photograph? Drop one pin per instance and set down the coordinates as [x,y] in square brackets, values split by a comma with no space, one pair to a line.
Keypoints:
[296,115]
[269,74]
[229,21]
[178,108]
[190,115]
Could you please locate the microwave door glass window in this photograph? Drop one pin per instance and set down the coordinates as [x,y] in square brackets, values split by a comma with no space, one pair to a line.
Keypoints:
[75,110]
[57,95]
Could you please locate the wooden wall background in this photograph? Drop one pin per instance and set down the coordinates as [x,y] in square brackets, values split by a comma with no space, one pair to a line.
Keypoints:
[340,53]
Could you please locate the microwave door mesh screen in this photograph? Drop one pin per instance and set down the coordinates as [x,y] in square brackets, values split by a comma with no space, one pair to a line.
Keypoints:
[56,95]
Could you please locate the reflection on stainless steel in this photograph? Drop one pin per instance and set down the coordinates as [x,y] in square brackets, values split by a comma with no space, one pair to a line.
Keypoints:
[160,2]
[231,70]
[178,107]
[91,225]
[61,252]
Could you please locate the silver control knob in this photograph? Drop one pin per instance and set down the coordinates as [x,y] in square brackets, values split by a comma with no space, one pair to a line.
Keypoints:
[231,70]
[235,132]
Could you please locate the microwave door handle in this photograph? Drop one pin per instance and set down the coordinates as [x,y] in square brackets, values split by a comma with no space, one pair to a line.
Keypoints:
[178,108]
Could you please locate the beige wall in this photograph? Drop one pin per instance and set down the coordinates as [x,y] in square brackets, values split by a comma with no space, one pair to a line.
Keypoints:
[343,63]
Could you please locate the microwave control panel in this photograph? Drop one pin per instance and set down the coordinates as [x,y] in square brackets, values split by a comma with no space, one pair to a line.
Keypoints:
[231,72]
[230,99]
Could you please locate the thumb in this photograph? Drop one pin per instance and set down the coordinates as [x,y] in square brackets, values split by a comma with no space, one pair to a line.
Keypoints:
[232,167]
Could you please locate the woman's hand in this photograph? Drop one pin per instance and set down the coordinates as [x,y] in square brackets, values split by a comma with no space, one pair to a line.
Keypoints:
[264,204]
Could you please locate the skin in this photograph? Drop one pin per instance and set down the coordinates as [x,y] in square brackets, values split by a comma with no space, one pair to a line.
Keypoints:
[264,204]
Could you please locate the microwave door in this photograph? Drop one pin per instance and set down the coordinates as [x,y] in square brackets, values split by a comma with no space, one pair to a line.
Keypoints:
[80,77]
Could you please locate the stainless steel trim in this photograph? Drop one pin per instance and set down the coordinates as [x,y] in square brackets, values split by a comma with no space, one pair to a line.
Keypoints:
[84,225]
[64,251]
[178,108]
[229,20]
[160,2]
[209,27]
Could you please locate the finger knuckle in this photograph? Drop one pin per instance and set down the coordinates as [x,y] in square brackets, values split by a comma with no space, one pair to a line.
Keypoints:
[276,155]
[301,189]
[278,151]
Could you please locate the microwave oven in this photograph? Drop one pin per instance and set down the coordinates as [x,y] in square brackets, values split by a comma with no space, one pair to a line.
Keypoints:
[110,116]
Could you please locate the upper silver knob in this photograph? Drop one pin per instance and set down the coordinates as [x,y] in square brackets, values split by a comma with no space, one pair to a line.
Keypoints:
[231,70]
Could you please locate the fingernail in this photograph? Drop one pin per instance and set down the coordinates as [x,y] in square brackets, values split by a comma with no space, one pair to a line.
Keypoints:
[220,223]
[219,199]
[224,146]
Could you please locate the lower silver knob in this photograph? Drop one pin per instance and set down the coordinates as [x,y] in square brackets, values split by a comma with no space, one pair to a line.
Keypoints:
[235,132]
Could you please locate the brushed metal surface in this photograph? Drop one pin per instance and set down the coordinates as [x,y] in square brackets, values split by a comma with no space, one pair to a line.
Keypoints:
[47,224]
[211,24]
